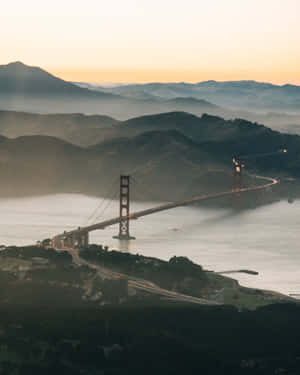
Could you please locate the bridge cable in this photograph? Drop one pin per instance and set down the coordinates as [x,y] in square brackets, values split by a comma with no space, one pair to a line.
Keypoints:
[109,203]
[102,202]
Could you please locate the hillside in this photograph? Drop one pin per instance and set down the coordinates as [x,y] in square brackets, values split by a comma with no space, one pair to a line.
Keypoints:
[87,130]
[18,79]
[42,164]
[192,163]
[31,89]
[75,128]
[61,317]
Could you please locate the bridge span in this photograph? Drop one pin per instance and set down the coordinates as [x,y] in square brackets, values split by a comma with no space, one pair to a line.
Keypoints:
[80,237]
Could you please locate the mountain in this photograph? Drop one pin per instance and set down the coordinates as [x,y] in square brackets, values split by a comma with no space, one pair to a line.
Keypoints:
[75,128]
[84,130]
[246,95]
[42,165]
[275,106]
[32,89]
[191,154]
[18,79]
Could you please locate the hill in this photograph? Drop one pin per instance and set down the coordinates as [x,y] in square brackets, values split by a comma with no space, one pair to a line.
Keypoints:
[75,127]
[87,130]
[58,316]
[249,95]
[42,165]
[32,89]
[18,79]
[191,154]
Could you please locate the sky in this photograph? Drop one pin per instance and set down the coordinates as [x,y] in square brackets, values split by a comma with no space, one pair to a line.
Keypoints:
[157,40]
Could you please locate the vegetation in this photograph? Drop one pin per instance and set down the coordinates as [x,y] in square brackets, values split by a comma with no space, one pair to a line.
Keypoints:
[58,316]
[150,339]
[179,273]
[29,252]
[200,151]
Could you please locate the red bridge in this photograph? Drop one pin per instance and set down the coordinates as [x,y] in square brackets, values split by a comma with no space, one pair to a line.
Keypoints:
[80,237]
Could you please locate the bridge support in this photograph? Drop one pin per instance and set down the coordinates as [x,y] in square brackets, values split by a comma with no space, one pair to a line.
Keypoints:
[76,240]
[81,240]
[124,209]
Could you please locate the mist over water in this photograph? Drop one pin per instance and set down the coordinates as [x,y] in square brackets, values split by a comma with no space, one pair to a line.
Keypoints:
[265,239]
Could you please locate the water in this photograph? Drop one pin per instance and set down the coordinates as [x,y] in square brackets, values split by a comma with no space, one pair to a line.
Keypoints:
[265,239]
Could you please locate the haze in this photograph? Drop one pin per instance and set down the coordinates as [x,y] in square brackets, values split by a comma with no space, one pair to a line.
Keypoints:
[142,41]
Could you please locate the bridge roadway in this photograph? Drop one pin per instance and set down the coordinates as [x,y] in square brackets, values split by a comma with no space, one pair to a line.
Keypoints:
[145,285]
[167,206]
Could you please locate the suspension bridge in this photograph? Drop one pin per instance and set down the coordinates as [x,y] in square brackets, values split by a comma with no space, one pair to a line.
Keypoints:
[79,238]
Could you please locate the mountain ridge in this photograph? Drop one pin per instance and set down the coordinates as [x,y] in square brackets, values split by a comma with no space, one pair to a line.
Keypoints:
[32,89]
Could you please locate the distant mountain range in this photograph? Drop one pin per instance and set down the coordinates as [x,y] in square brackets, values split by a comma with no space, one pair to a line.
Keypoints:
[76,152]
[191,154]
[31,89]
[247,95]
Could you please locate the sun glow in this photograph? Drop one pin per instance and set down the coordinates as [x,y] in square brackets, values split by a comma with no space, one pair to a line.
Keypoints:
[142,41]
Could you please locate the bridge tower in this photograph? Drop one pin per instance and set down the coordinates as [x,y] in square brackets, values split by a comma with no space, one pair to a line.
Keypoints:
[124,209]
[237,174]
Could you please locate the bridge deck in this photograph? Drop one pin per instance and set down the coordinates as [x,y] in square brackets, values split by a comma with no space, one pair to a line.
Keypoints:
[168,206]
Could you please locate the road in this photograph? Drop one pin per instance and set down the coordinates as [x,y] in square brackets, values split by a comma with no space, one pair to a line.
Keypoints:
[140,284]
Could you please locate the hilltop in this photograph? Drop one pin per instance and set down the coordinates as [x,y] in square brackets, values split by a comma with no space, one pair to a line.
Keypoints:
[87,130]
[43,164]
[18,79]
[75,127]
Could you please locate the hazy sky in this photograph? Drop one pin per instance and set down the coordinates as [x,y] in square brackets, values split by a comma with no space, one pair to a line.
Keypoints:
[155,40]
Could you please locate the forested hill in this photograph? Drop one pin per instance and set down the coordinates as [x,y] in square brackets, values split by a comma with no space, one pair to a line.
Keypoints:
[193,160]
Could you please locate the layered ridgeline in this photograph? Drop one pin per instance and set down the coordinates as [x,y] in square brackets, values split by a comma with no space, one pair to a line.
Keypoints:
[191,154]
[87,130]
[41,164]
[31,89]
[235,94]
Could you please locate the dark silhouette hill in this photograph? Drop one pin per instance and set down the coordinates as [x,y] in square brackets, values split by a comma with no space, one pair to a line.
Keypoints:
[88,130]
[42,164]
[166,141]
[75,128]
[189,154]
